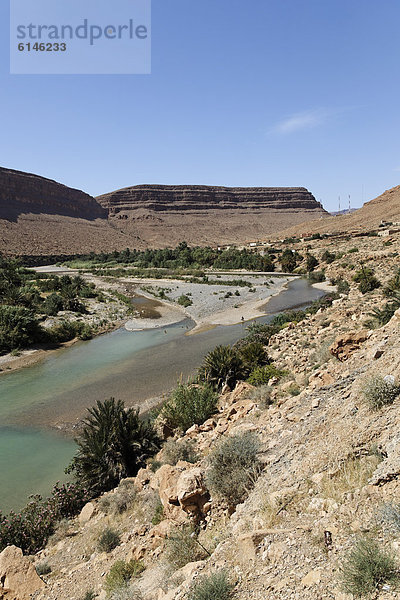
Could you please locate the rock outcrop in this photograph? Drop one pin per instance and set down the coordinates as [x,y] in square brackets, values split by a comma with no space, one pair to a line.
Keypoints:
[166,215]
[27,193]
[18,578]
[161,198]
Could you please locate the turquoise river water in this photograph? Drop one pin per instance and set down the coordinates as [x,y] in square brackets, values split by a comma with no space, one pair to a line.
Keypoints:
[132,366]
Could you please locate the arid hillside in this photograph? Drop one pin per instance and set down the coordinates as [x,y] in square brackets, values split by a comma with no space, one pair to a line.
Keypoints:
[39,216]
[385,207]
[314,515]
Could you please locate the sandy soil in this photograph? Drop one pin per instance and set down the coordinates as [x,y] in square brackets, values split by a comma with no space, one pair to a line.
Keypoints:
[213,305]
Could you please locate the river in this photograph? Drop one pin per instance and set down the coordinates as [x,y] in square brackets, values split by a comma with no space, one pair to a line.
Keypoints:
[132,366]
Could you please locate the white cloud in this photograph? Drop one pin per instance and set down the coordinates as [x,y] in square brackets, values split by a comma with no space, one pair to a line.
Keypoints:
[301,121]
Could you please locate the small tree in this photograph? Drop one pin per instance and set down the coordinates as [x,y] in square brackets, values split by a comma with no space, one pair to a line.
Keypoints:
[366,280]
[288,261]
[311,262]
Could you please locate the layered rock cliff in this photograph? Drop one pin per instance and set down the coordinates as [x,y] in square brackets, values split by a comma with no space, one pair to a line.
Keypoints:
[27,193]
[41,216]
[166,215]
[161,198]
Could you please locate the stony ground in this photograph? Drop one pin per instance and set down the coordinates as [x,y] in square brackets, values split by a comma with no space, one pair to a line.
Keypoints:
[330,463]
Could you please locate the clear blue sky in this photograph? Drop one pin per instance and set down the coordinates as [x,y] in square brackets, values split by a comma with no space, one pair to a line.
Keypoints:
[242,93]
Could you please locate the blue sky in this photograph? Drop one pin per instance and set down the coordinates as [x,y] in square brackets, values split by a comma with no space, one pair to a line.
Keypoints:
[256,93]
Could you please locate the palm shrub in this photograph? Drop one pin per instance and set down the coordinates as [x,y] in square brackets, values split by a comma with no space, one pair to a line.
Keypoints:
[381,316]
[234,467]
[221,366]
[366,568]
[113,444]
[216,586]
[253,354]
[393,285]
[18,328]
[189,405]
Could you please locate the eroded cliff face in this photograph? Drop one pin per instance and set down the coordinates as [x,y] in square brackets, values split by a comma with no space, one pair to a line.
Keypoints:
[161,198]
[22,193]
[41,216]
[166,215]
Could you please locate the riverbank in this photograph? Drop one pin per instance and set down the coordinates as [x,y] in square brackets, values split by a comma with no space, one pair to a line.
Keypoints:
[226,301]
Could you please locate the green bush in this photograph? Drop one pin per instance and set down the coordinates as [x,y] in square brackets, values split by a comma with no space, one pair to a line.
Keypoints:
[366,568]
[108,540]
[234,467]
[158,514]
[189,405]
[53,304]
[121,573]
[316,276]
[119,500]
[288,261]
[379,391]
[185,301]
[342,286]
[262,396]
[221,366]
[216,586]
[31,528]
[366,280]
[261,375]
[114,444]
[43,568]
[89,595]
[328,256]
[174,451]
[311,262]
[18,328]
[181,547]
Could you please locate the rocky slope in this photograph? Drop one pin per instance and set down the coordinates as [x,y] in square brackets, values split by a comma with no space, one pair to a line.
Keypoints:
[166,215]
[330,465]
[385,207]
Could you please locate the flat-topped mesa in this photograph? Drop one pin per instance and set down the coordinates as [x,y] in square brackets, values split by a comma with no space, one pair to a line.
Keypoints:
[23,193]
[171,198]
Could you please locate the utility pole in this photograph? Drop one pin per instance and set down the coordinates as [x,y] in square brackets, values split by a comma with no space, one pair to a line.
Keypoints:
[339,204]
[349,203]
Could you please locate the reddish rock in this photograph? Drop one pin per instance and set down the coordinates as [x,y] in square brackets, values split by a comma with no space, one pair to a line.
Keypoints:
[344,346]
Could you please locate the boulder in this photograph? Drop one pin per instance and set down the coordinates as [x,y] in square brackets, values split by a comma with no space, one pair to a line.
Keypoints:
[166,479]
[87,513]
[344,346]
[142,478]
[18,577]
[192,492]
